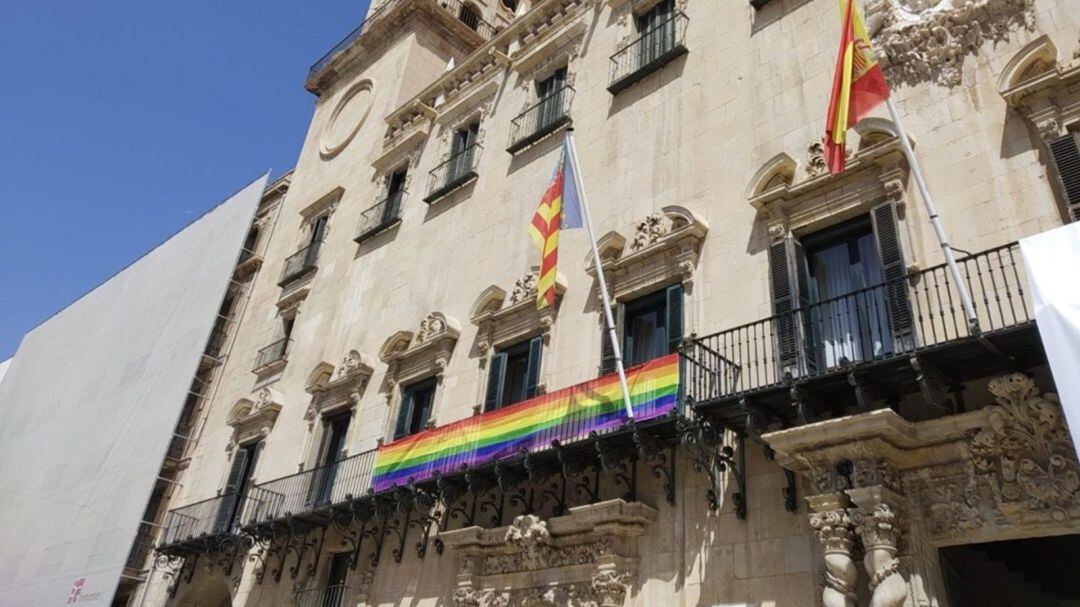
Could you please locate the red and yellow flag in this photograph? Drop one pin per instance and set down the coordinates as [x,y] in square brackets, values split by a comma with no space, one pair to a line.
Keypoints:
[858,85]
[559,209]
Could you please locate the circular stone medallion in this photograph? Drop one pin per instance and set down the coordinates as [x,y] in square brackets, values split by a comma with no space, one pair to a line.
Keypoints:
[349,115]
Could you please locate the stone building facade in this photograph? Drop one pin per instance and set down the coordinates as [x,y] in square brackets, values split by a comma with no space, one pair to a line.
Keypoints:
[842,434]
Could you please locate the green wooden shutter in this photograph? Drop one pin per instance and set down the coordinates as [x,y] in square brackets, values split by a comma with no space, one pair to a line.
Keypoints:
[1065,152]
[607,350]
[404,414]
[532,375]
[894,270]
[496,380]
[674,317]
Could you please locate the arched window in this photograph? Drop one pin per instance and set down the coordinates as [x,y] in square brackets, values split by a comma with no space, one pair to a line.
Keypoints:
[510,5]
[469,15]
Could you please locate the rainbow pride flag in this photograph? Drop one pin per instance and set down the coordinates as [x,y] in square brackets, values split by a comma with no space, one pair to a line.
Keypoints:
[567,415]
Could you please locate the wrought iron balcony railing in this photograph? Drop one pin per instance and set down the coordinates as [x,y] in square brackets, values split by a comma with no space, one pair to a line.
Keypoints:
[380,216]
[894,320]
[308,491]
[651,51]
[331,596]
[300,263]
[462,12]
[540,120]
[274,353]
[208,518]
[455,172]
[140,548]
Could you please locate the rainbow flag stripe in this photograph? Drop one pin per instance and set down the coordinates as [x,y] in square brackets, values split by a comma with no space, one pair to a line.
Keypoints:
[568,415]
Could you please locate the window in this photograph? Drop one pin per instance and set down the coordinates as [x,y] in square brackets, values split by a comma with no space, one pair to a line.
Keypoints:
[287,325]
[650,327]
[249,243]
[335,580]
[236,486]
[395,189]
[1065,152]
[847,285]
[416,402]
[657,28]
[514,374]
[469,16]
[510,5]
[318,229]
[461,152]
[335,430]
[551,92]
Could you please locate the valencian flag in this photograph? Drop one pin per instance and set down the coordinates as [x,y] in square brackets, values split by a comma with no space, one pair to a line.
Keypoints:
[559,209]
[858,85]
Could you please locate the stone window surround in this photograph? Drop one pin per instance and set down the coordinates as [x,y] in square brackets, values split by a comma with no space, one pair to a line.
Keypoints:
[627,12]
[877,171]
[666,248]
[473,108]
[323,207]
[252,419]
[333,391]
[411,357]
[502,322]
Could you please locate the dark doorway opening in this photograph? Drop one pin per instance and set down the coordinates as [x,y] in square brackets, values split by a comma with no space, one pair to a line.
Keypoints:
[1034,572]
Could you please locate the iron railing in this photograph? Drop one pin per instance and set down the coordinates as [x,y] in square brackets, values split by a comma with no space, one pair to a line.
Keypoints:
[649,52]
[140,548]
[544,118]
[473,21]
[380,216]
[300,263]
[309,490]
[453,173]
[275,352]
[215,516]
[331,596]
[891,319]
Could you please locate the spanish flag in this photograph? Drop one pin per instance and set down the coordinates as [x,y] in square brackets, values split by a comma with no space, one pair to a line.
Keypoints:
[559,208]
[858,85]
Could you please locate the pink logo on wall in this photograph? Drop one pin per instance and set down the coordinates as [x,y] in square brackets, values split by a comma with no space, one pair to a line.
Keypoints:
[76,590]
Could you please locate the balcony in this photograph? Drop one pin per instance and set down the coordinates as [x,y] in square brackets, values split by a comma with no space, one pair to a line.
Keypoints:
[458,11]
[274,355]
[380,217]
[458,170]
[859,351]
[140,548]
[333,596]
[651,51]
[309,494]
[300,264]
[548,115]
[198,526]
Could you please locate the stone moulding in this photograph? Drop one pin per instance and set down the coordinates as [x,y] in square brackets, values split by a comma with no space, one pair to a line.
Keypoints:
[665,248]
[587,557]
[504,319]
[425,352]
[1041,88]
[254,419]
[333,388]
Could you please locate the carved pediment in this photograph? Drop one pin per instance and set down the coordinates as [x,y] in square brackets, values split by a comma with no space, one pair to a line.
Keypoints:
[253,419]
[664,248]
[1043,89]
[504,319]
[332,387]
[425,352]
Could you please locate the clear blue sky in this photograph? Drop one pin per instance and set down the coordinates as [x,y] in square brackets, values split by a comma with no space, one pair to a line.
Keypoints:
[123,120]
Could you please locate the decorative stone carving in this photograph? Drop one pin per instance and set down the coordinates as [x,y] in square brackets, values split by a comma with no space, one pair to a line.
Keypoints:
[835,532]
[665,248]
[524,288]
[1025,451]
[529,533]
[815,159]
[927,40]
[609,587]
[879,530]
[518,319]
[337,388]
[426,353]
[254,419]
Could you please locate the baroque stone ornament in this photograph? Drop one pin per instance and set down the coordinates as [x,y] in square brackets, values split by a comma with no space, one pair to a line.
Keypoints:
[524,288]
[530,534]
[815,159]
[649,231]
[879,530]
[836,533]
[927,40]
[609,587]
[1026,451]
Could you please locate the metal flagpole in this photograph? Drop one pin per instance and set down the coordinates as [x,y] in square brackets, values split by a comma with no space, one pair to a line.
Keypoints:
[608,316]
[924,192]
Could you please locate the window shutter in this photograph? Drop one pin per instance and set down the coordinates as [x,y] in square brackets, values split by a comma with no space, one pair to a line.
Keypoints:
[887,233]
[806,323]
[532,375]
[425,408]
[783,296]
[607,350]
[1065,152]
[496,378]
[674,317]
[236,472]
[404,414]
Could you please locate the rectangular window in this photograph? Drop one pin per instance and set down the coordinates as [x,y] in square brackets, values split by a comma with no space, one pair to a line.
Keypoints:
[336,577]
[395,189]
[318,229]
[551,92]
[236,486]
[657,28]
[335,431]
[514,374]
[650,327]
[415,410]
[462,151]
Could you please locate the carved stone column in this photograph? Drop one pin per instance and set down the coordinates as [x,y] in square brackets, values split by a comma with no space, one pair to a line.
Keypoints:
[836,533]
[877,521]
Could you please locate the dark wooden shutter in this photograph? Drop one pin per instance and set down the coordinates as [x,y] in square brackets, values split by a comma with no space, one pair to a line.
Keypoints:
[496,379]
[227,508]
[1065,152]
[674,317]
[894,270]
[607,350]
[404,415]
[532,375]
[783,296]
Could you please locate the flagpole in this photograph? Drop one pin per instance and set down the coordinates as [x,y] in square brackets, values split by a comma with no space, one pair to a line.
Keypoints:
[608,316]
[943,240]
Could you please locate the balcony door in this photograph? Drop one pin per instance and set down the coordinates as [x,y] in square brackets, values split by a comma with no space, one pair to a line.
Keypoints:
[461,152]
[395,189]
[550,91]
[657,28]
[335,431]
[240,472]
[336,579]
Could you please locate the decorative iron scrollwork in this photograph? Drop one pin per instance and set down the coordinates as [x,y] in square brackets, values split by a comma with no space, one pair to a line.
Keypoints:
[704,442]
[621,462]
[576,465]
[661,456]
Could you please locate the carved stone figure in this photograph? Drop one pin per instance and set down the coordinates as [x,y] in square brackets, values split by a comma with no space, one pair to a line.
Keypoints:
[530,534]
[429,327]
[836,533]
[650,230]
[610,587]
